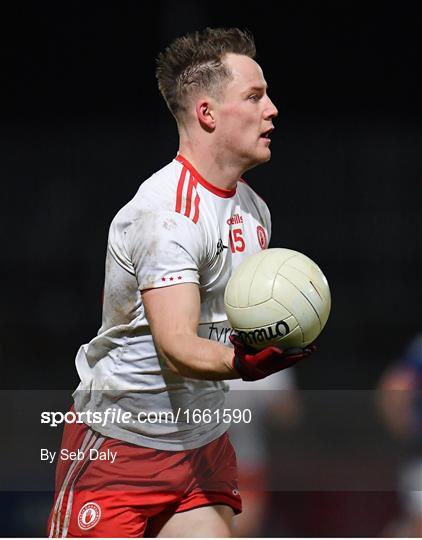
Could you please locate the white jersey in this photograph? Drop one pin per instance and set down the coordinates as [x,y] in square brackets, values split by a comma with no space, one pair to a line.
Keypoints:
[177,229]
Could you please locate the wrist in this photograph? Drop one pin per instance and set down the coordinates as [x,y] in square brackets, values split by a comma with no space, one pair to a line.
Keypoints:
[230,365]
[236,367]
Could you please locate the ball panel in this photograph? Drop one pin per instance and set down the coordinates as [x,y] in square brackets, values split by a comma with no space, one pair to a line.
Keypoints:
[307,266]
[237,289]
[321,296]
[264,314]
[309,288]
[279,255]
[289,296]
[263,281]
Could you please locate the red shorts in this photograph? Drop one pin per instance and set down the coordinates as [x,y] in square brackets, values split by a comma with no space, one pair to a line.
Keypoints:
[136,494]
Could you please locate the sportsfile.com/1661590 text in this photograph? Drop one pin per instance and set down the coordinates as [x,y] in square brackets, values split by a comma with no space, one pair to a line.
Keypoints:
[113,415]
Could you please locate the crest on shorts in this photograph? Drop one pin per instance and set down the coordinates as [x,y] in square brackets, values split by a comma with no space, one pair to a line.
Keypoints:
[89,515]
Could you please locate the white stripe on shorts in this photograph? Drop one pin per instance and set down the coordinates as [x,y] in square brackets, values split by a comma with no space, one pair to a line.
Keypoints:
[68,513]
[89,440]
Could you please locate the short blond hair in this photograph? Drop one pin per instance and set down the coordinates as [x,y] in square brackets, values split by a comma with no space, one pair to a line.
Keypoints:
[195,62]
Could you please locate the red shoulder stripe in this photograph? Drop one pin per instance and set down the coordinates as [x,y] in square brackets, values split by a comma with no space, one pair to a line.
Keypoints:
[197,200]
[180,190]
[225,193]
[189,197]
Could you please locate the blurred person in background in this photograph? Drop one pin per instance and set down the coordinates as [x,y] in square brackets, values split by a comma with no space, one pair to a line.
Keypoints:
[400,404]
[274,403]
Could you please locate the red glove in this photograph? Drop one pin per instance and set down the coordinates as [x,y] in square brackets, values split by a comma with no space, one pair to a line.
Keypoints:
[253,365]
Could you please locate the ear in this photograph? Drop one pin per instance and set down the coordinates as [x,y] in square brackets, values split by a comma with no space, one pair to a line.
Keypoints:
[205,114]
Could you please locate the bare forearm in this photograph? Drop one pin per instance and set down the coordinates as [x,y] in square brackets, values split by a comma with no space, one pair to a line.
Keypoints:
[198,358]
[173,315]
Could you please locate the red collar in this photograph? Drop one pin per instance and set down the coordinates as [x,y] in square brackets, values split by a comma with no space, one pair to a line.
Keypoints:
[220,192]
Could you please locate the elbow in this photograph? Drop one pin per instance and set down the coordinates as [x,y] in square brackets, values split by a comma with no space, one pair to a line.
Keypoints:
[174,354]
[172,366]
[169,360]
[179,369]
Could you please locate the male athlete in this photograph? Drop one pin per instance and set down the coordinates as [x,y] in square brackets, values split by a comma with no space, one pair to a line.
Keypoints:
[163,350]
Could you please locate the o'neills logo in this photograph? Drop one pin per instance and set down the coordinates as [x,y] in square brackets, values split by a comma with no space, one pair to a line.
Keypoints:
[89,515]
[266,333]
[234,220]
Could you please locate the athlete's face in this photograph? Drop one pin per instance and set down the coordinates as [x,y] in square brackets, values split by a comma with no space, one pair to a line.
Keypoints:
[245,114]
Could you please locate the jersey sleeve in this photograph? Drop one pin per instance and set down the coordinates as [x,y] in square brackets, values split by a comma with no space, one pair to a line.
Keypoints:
[165,248]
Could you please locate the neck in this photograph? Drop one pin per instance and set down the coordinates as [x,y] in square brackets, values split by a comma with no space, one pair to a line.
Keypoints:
[208,161]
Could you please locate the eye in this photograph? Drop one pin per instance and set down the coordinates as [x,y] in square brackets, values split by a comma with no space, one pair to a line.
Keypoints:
[254,97]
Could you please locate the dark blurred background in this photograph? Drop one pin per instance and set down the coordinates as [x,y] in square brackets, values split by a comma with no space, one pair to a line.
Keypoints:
[82,124]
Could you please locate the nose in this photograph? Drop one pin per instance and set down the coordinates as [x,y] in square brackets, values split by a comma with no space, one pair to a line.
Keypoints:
[271,110]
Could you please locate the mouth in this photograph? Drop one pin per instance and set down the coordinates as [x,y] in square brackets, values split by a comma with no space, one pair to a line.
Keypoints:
[266,134]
